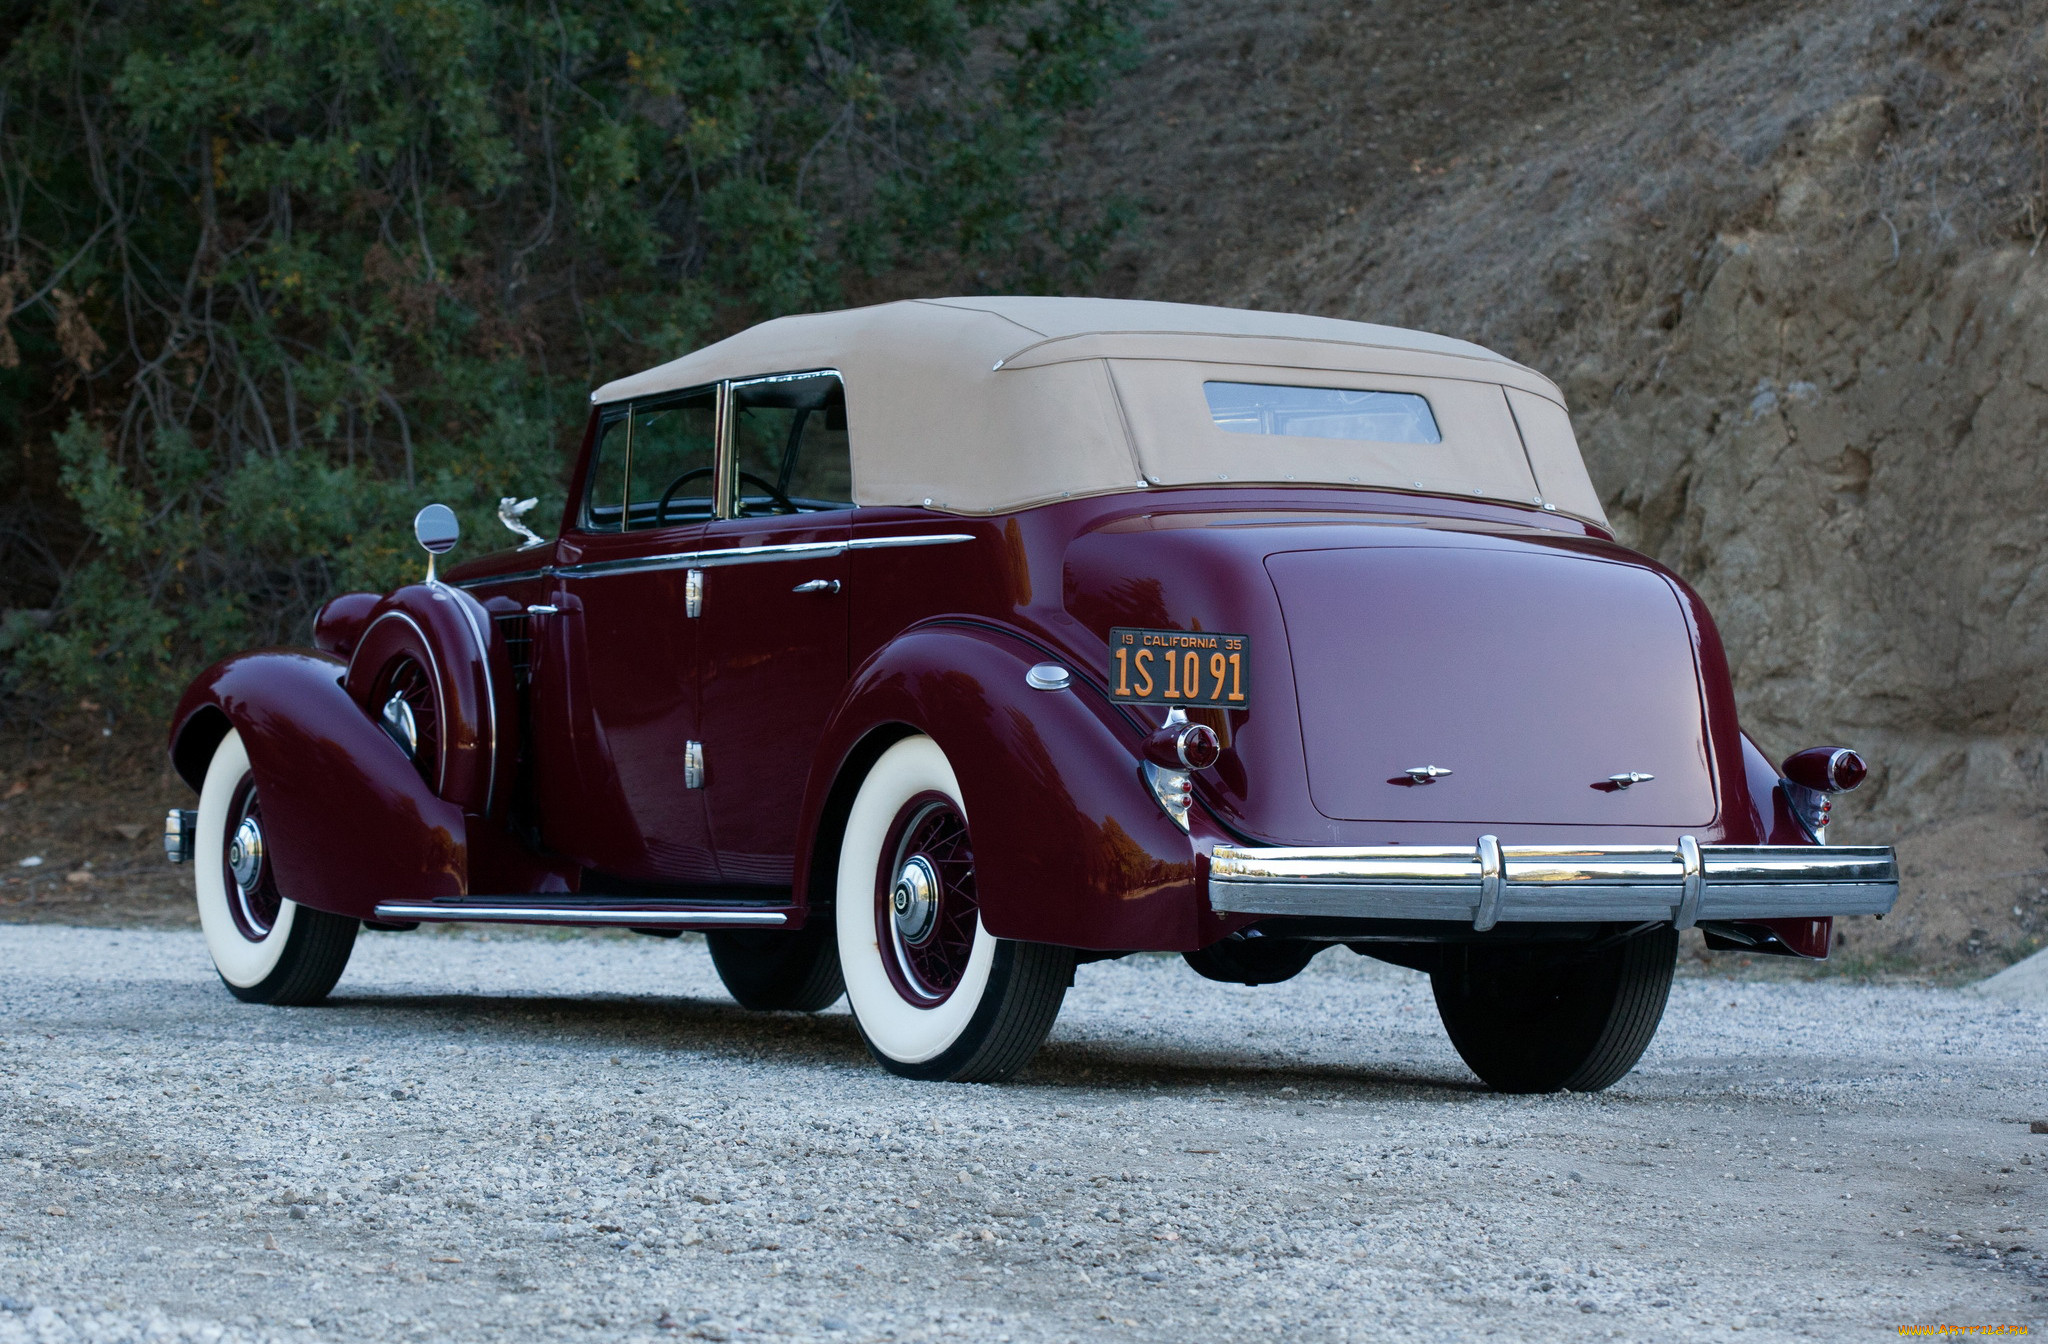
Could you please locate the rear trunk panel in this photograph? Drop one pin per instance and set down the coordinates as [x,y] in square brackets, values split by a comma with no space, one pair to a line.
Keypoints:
[1531,672]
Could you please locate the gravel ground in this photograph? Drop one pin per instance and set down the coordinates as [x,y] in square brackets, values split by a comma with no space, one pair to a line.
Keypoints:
[533,1138]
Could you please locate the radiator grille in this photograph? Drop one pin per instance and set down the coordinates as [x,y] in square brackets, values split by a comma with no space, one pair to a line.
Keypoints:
[518,648]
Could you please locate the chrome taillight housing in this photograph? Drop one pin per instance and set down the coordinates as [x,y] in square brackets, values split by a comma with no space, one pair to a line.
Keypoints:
[1172,755]
[1808,778]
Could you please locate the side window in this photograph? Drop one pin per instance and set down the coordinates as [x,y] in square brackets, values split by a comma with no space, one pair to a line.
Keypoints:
[674,450]
[790,445]
[601,507]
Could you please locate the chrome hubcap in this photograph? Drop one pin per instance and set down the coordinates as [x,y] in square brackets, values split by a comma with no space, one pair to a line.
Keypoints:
[915,900]
[400,724]
[245,855]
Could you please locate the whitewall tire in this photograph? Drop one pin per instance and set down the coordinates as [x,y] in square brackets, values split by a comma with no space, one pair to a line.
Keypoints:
[267,949]
[935,995]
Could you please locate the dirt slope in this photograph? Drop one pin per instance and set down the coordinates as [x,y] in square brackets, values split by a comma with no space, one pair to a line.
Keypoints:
[1783,259]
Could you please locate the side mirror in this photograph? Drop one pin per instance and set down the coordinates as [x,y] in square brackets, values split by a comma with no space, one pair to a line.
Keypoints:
[437,530]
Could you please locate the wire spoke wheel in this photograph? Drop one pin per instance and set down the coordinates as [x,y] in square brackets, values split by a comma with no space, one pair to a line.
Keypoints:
[936,996]
[925,909]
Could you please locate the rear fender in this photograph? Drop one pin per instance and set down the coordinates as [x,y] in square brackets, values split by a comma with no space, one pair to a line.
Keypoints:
[1070,846]
[349,821]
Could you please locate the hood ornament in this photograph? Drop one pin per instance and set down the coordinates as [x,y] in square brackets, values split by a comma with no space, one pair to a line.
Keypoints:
[512,513]
[1632,777]
[1425,774]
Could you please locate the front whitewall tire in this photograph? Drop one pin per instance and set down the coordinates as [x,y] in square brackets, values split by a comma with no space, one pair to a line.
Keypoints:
[243,963]
[292,957]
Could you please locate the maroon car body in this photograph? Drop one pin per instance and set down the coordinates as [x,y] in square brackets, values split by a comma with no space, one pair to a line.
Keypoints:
[665,723]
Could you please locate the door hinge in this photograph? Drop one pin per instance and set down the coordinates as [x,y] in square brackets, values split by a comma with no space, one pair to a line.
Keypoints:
[693,593]
[693,765]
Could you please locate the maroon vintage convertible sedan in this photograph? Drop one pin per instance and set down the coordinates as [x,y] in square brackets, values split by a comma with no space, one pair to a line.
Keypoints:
[924,651]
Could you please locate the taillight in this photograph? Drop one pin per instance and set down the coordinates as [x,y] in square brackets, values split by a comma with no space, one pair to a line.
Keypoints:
[1180,745]
[1826,769]
[1809,776]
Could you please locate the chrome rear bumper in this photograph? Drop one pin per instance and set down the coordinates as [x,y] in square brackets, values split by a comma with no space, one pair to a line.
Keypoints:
[1487,883]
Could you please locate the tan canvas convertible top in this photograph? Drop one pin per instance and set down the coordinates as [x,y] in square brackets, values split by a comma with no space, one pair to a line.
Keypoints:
[983,405]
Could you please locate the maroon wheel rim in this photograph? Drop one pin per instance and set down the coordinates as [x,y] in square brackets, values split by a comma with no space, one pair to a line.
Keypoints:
[925,907]
[246,870]
[404,679]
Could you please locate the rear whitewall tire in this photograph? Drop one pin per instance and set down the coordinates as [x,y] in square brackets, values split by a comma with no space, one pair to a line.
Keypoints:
[301,954]
[991,1019]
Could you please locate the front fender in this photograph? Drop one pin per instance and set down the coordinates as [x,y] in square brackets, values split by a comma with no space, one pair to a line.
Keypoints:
[348,820]
[1070,847]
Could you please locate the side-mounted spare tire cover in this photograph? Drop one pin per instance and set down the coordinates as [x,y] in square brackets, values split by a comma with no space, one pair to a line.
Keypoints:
[429,670]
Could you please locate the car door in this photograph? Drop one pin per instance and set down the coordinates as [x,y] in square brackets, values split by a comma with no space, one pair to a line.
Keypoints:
[774,627]
[615,695]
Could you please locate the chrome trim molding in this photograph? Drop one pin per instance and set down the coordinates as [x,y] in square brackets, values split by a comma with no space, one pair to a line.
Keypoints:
[483,911]
[518,576]
[786,377]
[911,539]
[731,555]
[1685,883]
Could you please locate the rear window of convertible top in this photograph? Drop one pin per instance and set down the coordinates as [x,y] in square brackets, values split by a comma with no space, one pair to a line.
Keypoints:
[1321,413]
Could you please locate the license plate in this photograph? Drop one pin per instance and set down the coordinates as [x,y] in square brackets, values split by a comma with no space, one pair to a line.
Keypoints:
[1189,668]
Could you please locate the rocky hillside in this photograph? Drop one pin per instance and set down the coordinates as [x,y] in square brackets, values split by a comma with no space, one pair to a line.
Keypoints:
[1785,260]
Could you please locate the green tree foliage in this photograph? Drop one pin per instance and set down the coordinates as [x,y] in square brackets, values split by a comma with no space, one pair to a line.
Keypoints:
[274,272]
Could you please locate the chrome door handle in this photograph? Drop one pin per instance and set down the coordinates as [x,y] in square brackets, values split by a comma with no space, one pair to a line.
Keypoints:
[817,586]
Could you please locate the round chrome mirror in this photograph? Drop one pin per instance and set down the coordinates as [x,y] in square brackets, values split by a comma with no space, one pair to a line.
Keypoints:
[436,528]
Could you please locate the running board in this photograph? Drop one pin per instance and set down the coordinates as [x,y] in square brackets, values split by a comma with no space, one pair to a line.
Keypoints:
[613,913]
